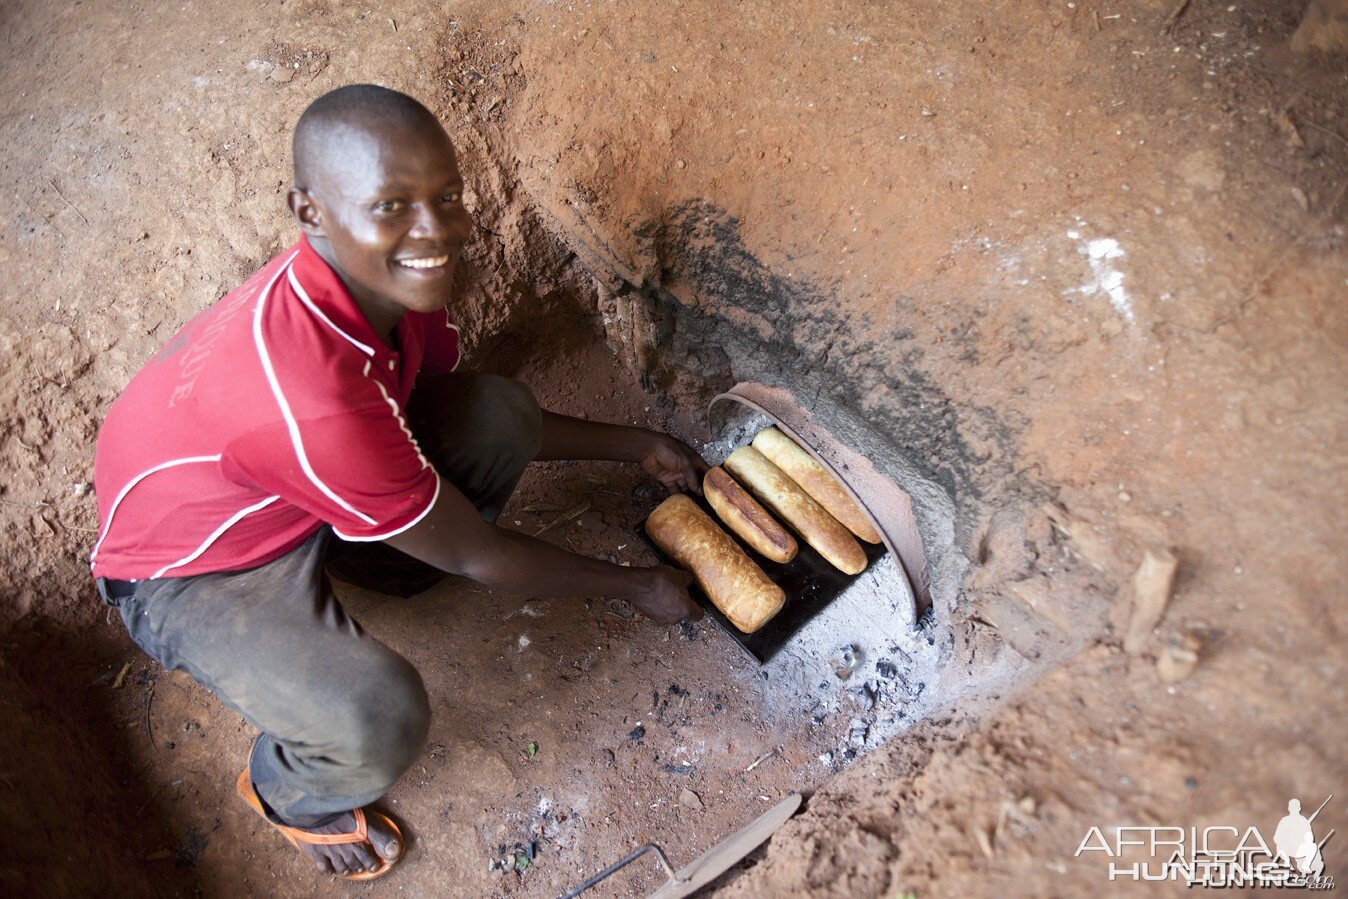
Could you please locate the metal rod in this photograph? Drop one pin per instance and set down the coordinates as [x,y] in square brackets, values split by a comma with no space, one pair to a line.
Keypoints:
[619,865]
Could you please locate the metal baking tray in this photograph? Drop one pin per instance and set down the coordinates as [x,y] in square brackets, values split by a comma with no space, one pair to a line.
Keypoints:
[810,582]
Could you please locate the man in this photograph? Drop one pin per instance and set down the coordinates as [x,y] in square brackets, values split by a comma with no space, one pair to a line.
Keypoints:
[1293,830]
[312,420]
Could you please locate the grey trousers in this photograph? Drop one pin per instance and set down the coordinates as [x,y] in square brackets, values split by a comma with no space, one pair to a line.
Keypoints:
[342,715]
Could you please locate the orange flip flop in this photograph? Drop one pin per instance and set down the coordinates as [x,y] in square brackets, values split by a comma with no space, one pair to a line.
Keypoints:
[297,836]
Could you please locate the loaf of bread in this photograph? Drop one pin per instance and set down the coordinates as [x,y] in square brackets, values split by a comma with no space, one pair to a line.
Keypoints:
[795,507]
[815,480]
[743,515]
[732,580]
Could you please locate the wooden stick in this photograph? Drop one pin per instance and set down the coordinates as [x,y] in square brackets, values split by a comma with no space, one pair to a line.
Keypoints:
[67,202]
[760,760]
[1174,16]
[1321,128]
[573,513]
[121,676]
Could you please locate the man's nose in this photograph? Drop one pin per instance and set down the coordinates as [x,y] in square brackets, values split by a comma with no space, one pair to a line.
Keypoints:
[439,222]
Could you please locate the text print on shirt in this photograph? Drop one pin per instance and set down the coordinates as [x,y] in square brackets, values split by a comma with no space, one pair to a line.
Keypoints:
[198,347]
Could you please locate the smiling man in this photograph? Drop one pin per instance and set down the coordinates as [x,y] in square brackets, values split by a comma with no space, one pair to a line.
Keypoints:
[313,421]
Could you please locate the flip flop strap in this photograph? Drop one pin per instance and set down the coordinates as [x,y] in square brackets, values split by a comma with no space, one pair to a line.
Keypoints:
[359,835]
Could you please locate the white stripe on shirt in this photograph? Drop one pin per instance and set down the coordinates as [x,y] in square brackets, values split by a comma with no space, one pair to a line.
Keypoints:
[291,424]
[393,533]
[304,298]
[215,535]
[107,527]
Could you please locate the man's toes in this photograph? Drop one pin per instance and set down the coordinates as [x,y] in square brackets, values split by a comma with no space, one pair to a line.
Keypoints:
[354,863]
[384,840]
[384,843]
[322,863]
[365,856]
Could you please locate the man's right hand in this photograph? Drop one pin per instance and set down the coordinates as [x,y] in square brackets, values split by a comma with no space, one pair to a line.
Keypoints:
[454,538]
[666,599]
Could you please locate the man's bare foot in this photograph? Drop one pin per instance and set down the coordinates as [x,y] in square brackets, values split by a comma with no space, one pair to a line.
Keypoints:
[353,858]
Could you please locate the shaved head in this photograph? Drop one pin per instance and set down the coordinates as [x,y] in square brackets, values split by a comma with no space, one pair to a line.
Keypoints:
[341,116]
[379,196]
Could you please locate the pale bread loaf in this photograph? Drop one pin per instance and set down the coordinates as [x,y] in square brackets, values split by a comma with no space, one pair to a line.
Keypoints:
[815,480]
[795,507]
[731,580]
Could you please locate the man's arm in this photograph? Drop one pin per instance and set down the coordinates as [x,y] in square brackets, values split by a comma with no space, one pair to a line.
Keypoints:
[669,461]
[454,538]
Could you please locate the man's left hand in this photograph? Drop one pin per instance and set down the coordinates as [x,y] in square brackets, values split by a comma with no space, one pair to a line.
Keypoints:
[674,464]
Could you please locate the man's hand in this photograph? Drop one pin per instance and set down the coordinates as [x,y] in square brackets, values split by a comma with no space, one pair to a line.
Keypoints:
[671,462]
[666,599]
[674,464]
[454,538]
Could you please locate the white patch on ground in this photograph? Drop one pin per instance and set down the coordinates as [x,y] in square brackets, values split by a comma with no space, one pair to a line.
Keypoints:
[1103,255]
[894,670]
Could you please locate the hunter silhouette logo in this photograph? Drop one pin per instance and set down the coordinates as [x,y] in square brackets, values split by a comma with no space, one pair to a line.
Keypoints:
[1295,841]
[1219,856]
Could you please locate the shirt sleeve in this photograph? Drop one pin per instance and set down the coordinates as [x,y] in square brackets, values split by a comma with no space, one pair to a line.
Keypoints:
[361,472]
[442,345]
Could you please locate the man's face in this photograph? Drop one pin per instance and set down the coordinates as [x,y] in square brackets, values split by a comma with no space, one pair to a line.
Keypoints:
[386,212]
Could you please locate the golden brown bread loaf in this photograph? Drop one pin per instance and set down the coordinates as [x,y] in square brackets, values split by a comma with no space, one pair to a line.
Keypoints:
[742,513]
[730,578]
[815,480]
[795,507]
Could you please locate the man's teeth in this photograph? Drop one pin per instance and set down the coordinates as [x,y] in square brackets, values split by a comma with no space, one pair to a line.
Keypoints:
[427,262]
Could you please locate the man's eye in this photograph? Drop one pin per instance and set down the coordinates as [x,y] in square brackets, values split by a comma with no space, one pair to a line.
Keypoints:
[388,206]
[453,196]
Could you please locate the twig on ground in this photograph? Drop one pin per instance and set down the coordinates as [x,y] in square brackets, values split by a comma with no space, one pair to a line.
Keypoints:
[565,516]
[66,201]
[72,527]
[48,523]
[42,215]
[148,799]
[1338,195]
[760,760]
[1263,279]
[121,676]
[149,725]
[1323,130]
[1096,16]
[1174,16]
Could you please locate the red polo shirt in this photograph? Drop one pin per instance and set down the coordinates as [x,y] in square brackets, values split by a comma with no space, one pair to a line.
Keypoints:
[274,412]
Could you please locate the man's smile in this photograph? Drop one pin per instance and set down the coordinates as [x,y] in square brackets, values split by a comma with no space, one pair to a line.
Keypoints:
[424,263]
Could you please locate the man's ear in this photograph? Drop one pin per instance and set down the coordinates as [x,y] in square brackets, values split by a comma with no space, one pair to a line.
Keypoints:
[306,211]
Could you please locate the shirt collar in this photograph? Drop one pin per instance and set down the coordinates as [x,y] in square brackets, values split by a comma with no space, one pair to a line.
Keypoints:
[321,290]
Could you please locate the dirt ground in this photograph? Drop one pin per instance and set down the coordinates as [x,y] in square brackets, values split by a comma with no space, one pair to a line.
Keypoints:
[1083,282]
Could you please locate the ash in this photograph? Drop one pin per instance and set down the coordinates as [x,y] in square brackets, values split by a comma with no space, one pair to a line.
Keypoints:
[860,662]
[735,433]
